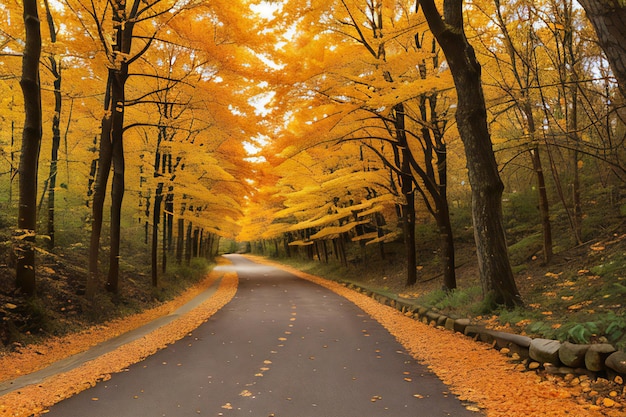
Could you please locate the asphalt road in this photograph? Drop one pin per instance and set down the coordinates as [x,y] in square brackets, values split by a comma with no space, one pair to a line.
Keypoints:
[282,347]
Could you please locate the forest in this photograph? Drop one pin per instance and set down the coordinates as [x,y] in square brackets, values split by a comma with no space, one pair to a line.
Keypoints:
[140,139]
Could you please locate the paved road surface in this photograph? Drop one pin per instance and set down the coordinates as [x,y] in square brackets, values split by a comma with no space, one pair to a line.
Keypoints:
[282,347]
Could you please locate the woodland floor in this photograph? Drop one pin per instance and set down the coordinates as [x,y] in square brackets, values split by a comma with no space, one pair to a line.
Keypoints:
[32,333]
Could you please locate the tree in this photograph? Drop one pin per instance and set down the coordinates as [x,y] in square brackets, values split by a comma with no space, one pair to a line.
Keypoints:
[390,105]
[608,18]
[120,55]
[54,66]
[31,145]
[494,265]
[514,76]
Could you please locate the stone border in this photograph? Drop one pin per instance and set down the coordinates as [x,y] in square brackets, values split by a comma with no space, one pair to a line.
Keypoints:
[555,357]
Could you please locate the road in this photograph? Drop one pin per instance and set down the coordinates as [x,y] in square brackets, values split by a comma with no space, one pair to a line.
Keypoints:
[283,347]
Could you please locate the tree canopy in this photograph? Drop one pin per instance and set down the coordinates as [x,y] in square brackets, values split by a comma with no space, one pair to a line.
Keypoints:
[316,124]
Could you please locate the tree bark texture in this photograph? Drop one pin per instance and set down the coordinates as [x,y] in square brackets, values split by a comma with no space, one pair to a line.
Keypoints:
[29,159]
[99,194]
[180,241]
[55,69]
[496,275]
[608,18]
[156,215]
[56,143]
[544,208]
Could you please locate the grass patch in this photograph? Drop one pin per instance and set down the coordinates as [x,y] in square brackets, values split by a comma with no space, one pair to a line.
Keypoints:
[459,302]
[180,277]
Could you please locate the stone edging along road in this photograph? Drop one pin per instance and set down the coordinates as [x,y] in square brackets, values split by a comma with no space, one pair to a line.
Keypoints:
[562,358]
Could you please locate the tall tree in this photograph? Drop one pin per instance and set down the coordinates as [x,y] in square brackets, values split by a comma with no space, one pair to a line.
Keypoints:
[608,18]
[31,145]
[54,66]
[514,77]
[496,275]
[121,55]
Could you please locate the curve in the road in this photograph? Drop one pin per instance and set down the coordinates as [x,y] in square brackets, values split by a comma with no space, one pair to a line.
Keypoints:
[282,347]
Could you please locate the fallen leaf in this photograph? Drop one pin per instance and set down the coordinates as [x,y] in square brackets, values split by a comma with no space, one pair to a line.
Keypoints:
[607,402]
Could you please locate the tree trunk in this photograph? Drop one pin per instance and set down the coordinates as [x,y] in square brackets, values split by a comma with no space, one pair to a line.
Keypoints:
[544,208]
[156,215]
[111,144]
[99,194]
[92,171]
[117,162]
[55,69]
[496,275]
[447,244]
[217,246]
[29,159]
[608,17]
[164,242]
[117,196]
[56,143]
[408,208]
[169,216]
[180,241]
[442,215]
[189,243]
[195,243]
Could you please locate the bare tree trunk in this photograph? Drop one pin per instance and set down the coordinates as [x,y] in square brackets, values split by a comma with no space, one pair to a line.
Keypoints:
[180,241]
[496,275]
[117,196]
[406,184]
[56,143]
[29,159]
[189,243]
[447,243]
[544,208]
[156,215]
[55,69]
[99,194]
[164,242]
